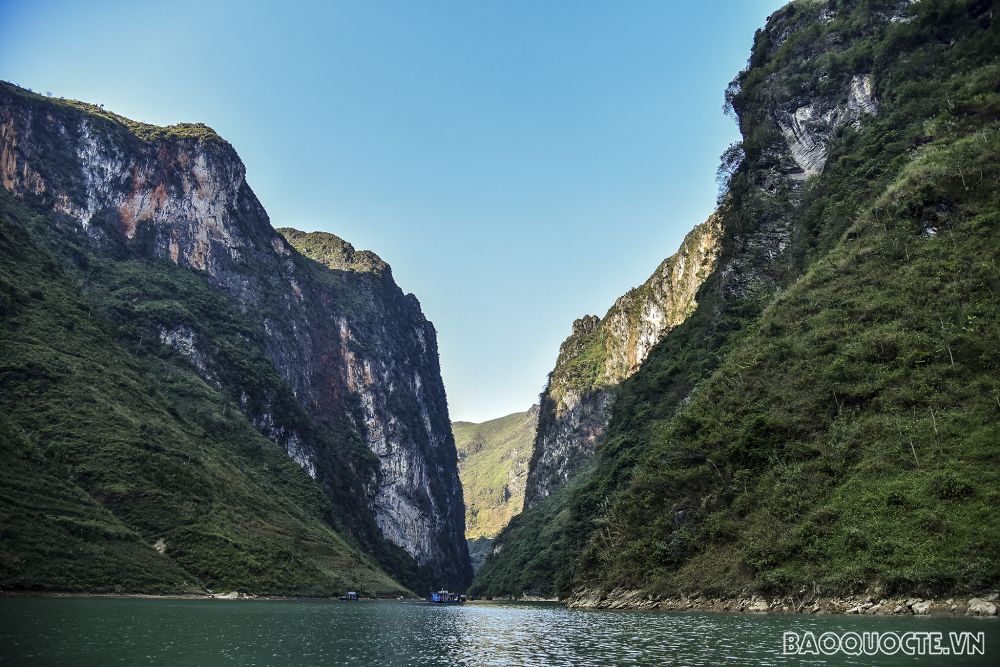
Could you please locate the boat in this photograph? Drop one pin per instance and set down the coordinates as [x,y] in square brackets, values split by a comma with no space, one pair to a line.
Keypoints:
[351,595]
[444,597]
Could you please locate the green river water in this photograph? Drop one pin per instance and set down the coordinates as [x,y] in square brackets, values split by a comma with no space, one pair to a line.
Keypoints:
[104,631]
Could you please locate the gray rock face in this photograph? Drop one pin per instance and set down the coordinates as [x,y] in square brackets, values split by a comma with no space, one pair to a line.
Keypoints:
[517,476]
[801,111]
[418,496]
[601,352]
[981,607]
[568,442]
[353,349]
[808,128]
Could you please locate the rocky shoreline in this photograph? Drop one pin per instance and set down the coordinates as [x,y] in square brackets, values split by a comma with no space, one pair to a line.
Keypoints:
[232,595]
[984,604]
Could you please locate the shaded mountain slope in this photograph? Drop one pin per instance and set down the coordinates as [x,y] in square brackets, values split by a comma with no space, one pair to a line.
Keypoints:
[175,260]
[108,455]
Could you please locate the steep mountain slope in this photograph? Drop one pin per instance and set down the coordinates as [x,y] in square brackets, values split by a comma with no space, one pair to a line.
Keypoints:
[391,366]
[493,463]
[175,259]
[600,353]
[127,473]
[826,420]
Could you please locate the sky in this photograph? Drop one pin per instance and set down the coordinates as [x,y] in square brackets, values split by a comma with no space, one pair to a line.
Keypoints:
[518,163]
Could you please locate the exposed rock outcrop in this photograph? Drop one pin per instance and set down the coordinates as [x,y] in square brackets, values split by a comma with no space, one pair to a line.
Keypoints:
[356,353]
[601,352]
[981,607]
[803,603]
[809,128]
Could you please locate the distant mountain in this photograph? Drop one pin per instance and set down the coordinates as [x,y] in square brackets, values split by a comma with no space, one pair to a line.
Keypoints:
[493,464]
[192,398]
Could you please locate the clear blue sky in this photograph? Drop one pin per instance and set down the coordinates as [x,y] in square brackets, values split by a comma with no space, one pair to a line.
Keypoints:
[519,164]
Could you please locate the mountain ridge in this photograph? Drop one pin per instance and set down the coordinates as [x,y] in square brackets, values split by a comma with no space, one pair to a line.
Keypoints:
[154,225]
[786,439]
[602,352]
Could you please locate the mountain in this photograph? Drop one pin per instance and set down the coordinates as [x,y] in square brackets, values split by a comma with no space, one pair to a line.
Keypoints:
[601,352]
[197,342]
[493,465]
[825,420]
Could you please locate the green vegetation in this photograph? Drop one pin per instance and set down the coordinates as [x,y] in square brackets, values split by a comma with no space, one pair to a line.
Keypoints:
[143,131]
[837,431]
[530,556]
[582,363]
[601,352]
[55,536]
[850,439]
[492,463]
[333,252]
[112,444]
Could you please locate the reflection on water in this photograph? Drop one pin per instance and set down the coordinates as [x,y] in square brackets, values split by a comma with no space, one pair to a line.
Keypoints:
[97,631]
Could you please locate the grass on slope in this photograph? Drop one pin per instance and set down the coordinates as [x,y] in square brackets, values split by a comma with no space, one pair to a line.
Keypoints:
[54,536]
[852,438]
[529,556]
[333,252]
[846,434]
[120,451]
[492,464]
[849,438]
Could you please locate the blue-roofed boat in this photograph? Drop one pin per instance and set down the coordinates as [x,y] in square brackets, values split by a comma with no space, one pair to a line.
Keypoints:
[444,597]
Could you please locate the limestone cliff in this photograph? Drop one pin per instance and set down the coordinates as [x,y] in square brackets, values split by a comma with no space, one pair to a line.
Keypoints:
[388,361]
[785,438]
[352,351]
[794,131]
[601,352]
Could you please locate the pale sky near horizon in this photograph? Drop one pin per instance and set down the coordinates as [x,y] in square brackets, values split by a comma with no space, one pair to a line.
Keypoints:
[519,164]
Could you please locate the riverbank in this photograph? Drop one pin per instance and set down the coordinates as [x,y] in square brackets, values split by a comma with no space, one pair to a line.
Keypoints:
[232,595]
[521,599]
[984,604]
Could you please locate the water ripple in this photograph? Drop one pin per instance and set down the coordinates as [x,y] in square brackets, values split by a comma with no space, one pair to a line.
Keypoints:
[80,631]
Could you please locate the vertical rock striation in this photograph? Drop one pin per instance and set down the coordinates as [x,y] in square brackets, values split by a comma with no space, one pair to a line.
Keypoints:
[388,364]
[601,352]
[356,354]
[796,130]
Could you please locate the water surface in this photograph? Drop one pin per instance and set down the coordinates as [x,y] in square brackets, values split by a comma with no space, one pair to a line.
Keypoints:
[103,631]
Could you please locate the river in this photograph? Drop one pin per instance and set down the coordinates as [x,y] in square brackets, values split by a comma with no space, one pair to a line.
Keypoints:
[109,631]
